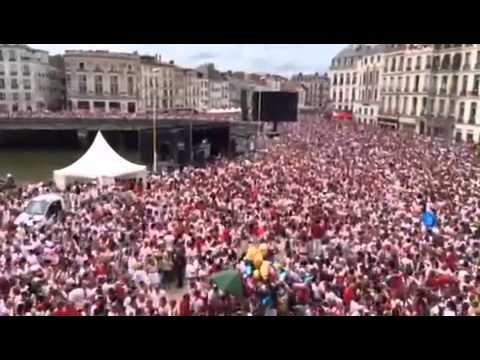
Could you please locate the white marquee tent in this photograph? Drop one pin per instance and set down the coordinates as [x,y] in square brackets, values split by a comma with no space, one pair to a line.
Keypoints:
[100,163]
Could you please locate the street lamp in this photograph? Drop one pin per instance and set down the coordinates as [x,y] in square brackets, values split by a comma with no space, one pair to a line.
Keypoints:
[154,71]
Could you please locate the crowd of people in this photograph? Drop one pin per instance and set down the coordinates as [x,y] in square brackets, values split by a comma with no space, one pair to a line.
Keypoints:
[338,217]
[218,116]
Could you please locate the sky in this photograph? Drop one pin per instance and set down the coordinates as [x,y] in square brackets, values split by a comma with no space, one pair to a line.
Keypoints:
[283,59]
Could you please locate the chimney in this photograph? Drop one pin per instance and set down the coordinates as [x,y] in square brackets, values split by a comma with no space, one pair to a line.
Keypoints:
[172,62]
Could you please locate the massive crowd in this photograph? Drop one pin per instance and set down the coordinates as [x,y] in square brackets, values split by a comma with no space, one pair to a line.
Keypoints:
[338,218]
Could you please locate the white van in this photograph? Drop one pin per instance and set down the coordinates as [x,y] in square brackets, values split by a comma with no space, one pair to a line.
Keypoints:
[41,209]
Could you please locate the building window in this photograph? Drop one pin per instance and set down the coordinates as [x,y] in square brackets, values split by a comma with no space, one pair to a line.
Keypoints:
[461,112]
[470,137]
[1,55]
[28,96]
[26,70]
[443,86]
[405,104]
[466,66]
[464,85]
[2,83]
[14,84]
[131,87]
[451,108]
[2,96]
[476,85]
[12,56]
[441,107]
[98,84]
[407,84]
[27,85]
[418,64]
[82,84]
[81,66]
[15,96]
[473,113]
[68,81]
[114,85]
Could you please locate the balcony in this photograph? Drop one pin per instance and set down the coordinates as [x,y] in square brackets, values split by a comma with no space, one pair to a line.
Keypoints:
[406,90]
[428,66]
[417,67]
[463,92]
[390,89]
[385,69]
[466,67]
[398,89]
[443,91]
[477,66]
[27,74]
[471,120]
[460,118]
[415,89]
[474,92]
[453,91]
[409,68]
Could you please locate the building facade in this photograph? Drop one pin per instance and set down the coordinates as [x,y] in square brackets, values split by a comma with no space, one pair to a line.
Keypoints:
[102,81]
[355,81]
[28,82]
[317,89]
[157,84]
[293,86]
[430,89]
[433,89]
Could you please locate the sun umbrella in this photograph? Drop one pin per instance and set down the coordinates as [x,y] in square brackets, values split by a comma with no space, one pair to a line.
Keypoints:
[229,281]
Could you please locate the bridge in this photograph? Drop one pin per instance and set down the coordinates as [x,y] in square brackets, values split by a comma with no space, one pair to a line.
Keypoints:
[58,123]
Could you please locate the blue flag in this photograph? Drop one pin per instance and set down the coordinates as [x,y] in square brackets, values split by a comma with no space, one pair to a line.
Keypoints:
[429,219]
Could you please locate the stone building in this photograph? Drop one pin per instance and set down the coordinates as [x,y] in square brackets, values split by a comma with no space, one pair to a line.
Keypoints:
[102,81]
[157,84]
[355,79]
[317,89]
[28,82]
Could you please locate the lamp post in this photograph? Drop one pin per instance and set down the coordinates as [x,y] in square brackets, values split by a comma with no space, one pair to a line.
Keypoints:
[154,102]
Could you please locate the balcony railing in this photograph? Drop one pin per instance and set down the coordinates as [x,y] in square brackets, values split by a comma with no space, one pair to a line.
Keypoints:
[428,66]
[417,67]
[409,68]
[471,120]
[453,91]
[26,74]
[415,89]
[466,67]
[385,69]
[390,89]
[406,90]
[477,66]
[463,92]
[443,91]
[398,89]
[474,92]
[460,119]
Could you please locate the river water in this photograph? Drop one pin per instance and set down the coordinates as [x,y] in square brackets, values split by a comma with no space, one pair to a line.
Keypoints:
[37,164]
